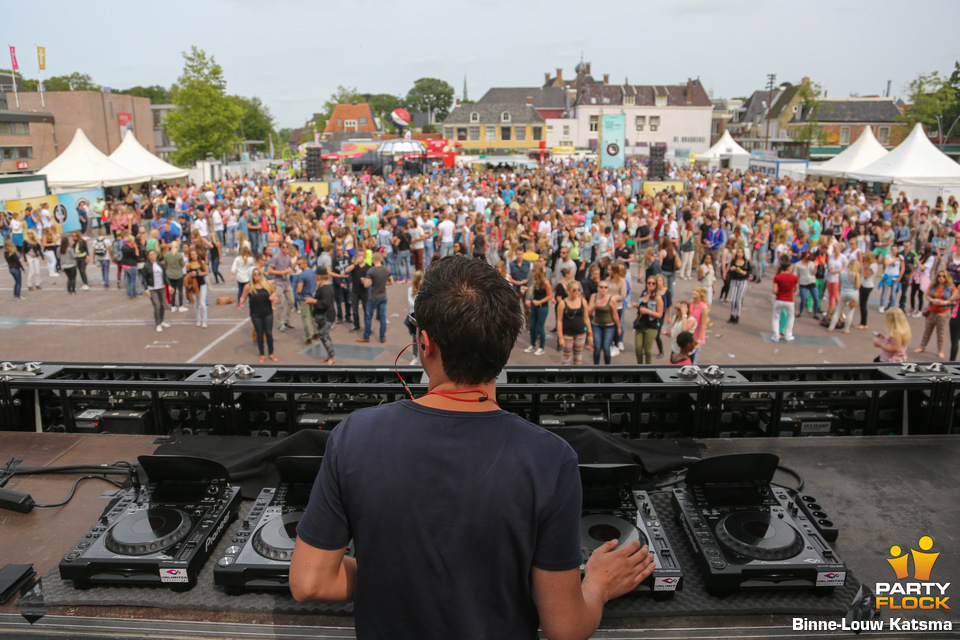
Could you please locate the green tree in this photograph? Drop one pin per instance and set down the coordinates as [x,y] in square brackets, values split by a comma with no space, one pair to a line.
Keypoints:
[431,95]
[206,120]
[256,122]
[951,117]
[155,93]
[810,132]
[382,104]
[73,82]
[343,95]
[28,85]
[931,98]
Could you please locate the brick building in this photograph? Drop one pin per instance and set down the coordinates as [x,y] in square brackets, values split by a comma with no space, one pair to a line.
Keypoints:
[351,118]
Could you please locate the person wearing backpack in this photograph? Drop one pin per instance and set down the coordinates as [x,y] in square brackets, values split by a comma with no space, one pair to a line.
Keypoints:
[101,253]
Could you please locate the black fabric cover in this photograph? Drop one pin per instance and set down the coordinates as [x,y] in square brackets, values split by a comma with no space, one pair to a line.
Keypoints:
[655,456]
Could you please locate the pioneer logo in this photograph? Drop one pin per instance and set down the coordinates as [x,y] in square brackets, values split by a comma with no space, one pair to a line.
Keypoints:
[174,572]
[668,580]
[214,535]
[831,575]
[921,593]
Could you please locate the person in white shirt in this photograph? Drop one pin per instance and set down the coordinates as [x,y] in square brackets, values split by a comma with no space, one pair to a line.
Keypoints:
[447,230]
[218,229]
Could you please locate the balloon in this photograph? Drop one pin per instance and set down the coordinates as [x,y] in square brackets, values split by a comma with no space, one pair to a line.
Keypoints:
[400,117]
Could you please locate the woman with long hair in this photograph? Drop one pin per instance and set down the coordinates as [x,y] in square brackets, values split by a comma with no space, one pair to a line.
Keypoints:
[412,292]
[260,293]
[606,321]
[49,242]
[893,344]
[938,311]
[154,278]
[726,258]
[15,267]
[650,310]
[869,271]
[700,310]
[849,295]
[573,324]
[687,251]
[240,269]
[669,261]
[620,290]
[920,280]
[82,255]
[806,272]
[737,274]
[539,309]
[197,267]
[682,321]
[173,267]
[707,276]
[68,262]
[215,253]
[34,254]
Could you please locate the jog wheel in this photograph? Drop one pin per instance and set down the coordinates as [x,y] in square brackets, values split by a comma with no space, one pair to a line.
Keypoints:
[758,535]
[595,529]
[275,539]
[148,531]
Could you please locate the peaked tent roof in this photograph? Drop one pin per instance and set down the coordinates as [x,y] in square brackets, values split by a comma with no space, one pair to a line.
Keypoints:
[131,155]
[915,162]
[83,166]
[726,145]
[865,150]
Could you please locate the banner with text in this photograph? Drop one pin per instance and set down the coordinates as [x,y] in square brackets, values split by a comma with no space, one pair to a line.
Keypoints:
[612,130]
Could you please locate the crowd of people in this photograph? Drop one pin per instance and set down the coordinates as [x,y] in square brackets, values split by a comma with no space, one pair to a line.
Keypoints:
[587,250]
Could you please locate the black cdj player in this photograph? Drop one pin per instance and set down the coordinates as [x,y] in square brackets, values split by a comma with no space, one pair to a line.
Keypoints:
[747,532]
[613,509]
[259,553]
[159,534]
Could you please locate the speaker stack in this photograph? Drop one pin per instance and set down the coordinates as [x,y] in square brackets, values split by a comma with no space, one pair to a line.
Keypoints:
[314,163]
[658,168]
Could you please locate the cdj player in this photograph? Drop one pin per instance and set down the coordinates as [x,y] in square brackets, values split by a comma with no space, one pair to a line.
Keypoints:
[612,509]
[159,534]
[260,551]
[748,533]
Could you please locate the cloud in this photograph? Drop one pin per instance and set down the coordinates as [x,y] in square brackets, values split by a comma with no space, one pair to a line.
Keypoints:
[425,60]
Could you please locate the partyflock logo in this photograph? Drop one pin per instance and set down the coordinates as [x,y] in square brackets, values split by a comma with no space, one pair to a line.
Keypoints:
[920,592]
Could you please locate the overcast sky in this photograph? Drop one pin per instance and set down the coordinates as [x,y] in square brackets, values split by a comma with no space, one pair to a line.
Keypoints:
[294,53]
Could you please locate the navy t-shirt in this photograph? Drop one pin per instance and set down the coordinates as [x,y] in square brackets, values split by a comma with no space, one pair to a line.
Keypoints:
[448,512]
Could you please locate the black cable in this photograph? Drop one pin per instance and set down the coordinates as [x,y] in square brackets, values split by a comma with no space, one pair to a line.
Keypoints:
[793,473]
[74,490]
[112,470]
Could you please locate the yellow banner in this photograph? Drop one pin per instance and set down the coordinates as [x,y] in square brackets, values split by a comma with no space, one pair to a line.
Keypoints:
[564,151]
[652,188]
[321,189]
[18,206]
[42,58]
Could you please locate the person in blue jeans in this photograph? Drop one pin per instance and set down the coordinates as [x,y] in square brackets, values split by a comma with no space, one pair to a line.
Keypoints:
[539,309]
[376,280]
[893,268]
[606,321]
[15,267]
[130,255]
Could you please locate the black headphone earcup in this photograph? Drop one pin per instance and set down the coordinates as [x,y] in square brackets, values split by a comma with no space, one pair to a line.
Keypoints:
[422,346]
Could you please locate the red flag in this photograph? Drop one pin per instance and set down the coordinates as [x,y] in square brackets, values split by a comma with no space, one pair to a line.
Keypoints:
[13,58]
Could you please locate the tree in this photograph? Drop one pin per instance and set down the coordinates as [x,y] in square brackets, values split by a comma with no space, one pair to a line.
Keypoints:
[810,132]
[932,97]
[155,93]
[431,95]
[256,122]
[206,120]
[343,95]
[951,117]
[382,104]
[76,81]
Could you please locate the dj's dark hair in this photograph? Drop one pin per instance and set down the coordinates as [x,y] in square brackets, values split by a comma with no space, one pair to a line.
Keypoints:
[473,315]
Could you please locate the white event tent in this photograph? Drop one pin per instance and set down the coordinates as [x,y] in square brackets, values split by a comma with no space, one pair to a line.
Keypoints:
[133,156]
[861,153]
[83,166]
[915,162]
[726,148]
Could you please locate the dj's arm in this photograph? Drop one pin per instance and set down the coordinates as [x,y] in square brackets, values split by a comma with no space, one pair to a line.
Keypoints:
[318,574]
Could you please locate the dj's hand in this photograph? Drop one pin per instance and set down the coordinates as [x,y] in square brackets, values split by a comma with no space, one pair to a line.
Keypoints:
[613,573]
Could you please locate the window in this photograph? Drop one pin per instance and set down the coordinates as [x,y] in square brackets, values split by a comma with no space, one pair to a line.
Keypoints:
[16,153]
[339,122]
[594,123]
[549,128]
[491,134]
[461,133]
[538,133]
[474,117]
[640,121]
[566,129]
[884,136]
[520,133]
[474,134]
[505,116]
[661,101]
[505,133]
[566,143]
[629,100]
[844,135]
[716,128]
[448,133]
[14,129]
[349,123]
[654,123]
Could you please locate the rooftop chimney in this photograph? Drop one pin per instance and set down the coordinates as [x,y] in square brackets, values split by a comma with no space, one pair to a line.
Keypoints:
[606,78]
[588,68]
[689,91]
[529,101]
[559,75]
[546,77]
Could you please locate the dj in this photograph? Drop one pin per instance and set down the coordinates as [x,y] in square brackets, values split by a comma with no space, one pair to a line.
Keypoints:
[465,518]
